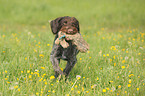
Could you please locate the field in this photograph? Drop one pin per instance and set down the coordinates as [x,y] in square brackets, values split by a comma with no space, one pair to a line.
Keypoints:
[114,65]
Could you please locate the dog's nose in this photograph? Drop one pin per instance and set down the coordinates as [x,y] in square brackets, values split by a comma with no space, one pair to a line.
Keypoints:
[70,30]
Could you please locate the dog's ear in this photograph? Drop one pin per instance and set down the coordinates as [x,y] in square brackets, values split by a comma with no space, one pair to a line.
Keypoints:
[55,25]
[76,24]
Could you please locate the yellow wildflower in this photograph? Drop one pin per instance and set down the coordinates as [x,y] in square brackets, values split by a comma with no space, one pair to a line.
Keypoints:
[107,88]
[52,77]
[19,89]
[41,55]
[22,72]
[79,92]
[30,76]
[15,86]
[6,71]
[104,90]
[123,67]
[114,64]
[28,71]
[37,93]
[53,91]
[42,67]
[87,91]
[137,89]
[129,80]
[129,85]
[119,86]
[123,61]
[48,44]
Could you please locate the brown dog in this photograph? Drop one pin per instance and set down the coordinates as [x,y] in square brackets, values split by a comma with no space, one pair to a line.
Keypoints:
[69,25]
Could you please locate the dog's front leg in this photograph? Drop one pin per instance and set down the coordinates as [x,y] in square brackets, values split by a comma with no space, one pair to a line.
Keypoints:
[55,61]
[69,66]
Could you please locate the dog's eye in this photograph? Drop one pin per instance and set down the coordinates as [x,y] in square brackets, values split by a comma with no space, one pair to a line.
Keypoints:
[73,24]
[65,22]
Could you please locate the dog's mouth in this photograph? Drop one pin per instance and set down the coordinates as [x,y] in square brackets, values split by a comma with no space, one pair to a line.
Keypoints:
[69,30]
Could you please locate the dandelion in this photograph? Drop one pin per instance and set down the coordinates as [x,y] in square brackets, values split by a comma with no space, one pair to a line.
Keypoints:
[48,44]
[107,54]
[72,88]
[4,51]
[114,57]
[80,58]
[126,51]
[104,55]
[53,91]
[19,89]
[3,36]
[129,80]
[35,50]
[76,86]
[41,55]
[17,78]
[40,79]
[97,78]
[111,81]
[79,92]
[28,71]
[37,93]
[137,89]
[104,90]
[83,77]
[22,72]
[52,77]
[32,73]
[42,67]
[6,71]
[107,88]
[82,88]
[123,67]
[15,86]
[119,86]
[87,91]
[6,78]
[129,85]
[114,64]
[25,58]
[110,60]
[125,91]
[123,61]
[30,76]
[61,69]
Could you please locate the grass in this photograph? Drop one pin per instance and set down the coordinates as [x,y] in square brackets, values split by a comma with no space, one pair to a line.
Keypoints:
[114,65]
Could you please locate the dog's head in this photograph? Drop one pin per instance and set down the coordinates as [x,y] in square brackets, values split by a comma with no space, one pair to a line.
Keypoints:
[69,25]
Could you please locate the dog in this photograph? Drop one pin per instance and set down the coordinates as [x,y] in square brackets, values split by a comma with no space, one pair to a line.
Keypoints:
[69,25]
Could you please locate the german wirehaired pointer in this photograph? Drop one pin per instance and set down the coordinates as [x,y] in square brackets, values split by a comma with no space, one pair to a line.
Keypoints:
[69,25]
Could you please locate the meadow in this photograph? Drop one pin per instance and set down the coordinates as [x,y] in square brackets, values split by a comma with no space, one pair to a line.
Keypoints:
[114,65]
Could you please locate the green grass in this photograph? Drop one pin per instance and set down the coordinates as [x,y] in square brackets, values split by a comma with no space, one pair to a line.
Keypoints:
[114,65]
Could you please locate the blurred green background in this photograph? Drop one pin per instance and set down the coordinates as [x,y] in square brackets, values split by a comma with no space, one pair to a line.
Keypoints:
[94,13]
